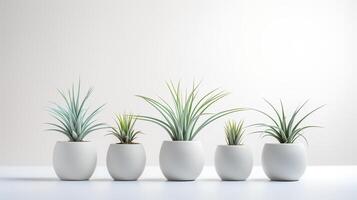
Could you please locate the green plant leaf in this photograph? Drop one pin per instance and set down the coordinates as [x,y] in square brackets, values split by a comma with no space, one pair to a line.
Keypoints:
[181,118]
[283,129]
[72,118]
[124,129]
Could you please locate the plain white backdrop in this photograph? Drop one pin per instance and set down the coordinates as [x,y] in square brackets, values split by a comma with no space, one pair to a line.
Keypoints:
[277,49]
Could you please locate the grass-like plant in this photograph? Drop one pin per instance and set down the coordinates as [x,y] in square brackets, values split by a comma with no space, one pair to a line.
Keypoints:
[73,119]
[234,132]
[124,129]
[181,119]
[283,128]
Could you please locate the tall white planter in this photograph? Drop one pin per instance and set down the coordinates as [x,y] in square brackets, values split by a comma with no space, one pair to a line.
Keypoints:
[233,162]
[284,162]
[126,161]
[181,160]
[74,160]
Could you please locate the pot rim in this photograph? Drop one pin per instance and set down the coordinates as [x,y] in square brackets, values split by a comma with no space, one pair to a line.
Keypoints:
[73,142]
[284,144]
[123,144]
[233,146]
[181,141]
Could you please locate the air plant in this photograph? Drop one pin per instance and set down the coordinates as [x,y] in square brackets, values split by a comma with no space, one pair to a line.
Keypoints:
[234,132]
[181,118]
[283,128]
[124,129]
[73,119]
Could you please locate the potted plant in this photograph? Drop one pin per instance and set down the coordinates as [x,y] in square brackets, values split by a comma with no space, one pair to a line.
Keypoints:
[126,159]
[74,159]
[286,160]
[182,159]
[234,161]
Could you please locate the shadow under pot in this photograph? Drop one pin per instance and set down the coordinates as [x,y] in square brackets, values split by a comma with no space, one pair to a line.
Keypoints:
[233,162]
[284,162]
[126,162]
[181,160]
[74,161]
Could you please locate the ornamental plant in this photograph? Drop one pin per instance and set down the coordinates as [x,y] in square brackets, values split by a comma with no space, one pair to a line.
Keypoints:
[283,128]
[188,113]
[73,119]
[124,129]
[234,132]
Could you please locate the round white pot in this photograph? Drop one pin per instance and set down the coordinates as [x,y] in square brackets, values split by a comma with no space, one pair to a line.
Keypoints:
[233,162]
[74,161]
[181,160]
[126,162]
[284,162]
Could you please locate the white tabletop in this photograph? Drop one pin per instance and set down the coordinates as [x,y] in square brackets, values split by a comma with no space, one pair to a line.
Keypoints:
[319,182]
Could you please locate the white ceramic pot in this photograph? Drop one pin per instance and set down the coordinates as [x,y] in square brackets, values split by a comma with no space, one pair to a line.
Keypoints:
[233,162]
[181,160]
[126,161]
[74,161]
[284,162]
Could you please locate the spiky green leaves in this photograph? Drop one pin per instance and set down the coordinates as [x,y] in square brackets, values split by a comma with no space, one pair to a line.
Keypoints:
[181,118]
[234,132]
[284,129]
[124,129]
[73,119]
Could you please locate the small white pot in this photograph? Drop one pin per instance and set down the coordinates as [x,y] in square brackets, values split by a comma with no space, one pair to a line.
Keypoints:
[126,162]
[233,162]
[181,160]
[284,162]
[74,161]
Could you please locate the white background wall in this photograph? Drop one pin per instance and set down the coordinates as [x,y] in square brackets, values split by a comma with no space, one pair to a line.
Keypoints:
[293,50]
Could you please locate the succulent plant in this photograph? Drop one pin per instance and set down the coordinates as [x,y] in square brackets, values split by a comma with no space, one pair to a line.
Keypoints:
[124,129]
[283,128]
[74,119]
[181,119]
[234,132]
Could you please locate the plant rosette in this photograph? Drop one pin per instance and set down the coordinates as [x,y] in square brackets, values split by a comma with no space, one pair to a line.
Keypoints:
[126,162]
[74,161]
[286,160]
[181,160]
[233,162]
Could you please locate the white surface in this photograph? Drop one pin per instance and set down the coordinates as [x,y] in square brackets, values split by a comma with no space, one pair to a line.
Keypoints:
[323,182]
[289,49]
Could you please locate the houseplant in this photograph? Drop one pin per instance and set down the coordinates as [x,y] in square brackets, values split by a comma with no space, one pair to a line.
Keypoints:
[126,159]
[234,161]
[182,158]
[74,159]
[286,160]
